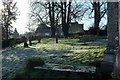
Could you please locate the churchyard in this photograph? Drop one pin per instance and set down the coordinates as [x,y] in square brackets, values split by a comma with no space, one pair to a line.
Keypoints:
[86,57]
[73,54]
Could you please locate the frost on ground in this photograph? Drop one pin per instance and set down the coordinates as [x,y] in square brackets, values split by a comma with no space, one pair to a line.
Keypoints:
[14,58]
[54,55]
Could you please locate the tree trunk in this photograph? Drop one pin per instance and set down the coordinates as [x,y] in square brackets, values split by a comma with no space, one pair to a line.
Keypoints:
[7,33]
[62,17]
[52,18]
[68,18]
[65,17]
[30,42]
[97,16]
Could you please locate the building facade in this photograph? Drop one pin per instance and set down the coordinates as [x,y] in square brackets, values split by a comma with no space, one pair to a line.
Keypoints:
[45,31]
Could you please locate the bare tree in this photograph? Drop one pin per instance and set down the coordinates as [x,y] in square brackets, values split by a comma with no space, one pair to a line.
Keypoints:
[39,14]
[31,30]
[56,13]
[52,17]
[9,14]
[66,19]
[100,9]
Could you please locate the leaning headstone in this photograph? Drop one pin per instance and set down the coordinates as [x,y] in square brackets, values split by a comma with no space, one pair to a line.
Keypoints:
[25,44]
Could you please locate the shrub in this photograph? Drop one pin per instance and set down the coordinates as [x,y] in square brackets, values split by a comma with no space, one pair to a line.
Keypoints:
[33,62]
[25,72]
[21,74]
[8,42]
[93,30]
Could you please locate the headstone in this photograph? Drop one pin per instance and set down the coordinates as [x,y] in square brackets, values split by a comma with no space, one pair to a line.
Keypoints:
[25,44]
[112,28]
[117,64]
[112,33]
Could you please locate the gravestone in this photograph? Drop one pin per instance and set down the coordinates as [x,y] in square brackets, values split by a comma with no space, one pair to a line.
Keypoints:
[117,64]
[113,48]
[112,34]
[112,28]
[25,42]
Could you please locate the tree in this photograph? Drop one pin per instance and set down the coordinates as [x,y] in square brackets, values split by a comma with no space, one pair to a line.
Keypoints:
[52,17]
[38,15]
[56,13]
[65,17]
[72,10]
[30,36]
[9,14]
[31,30]
[100,9]
[44,12]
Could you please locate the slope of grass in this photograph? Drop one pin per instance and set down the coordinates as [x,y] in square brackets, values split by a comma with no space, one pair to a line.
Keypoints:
[69,51]
[67,54]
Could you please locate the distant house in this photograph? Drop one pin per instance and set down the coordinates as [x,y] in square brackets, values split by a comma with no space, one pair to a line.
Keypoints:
[76,28]
[44,30]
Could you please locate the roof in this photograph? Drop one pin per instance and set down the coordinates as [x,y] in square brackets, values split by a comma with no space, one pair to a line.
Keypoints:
[43,26]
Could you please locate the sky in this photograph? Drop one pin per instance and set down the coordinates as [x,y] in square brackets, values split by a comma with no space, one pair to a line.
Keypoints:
[21,22]
[23,8]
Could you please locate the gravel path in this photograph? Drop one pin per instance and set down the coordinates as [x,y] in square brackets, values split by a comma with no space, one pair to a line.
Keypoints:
[14,58]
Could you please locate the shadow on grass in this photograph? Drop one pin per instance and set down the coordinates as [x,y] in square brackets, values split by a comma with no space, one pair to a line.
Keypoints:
[53,56]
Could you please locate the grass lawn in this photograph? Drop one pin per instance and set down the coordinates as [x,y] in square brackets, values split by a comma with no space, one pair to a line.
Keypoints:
[67,54]
[69,51]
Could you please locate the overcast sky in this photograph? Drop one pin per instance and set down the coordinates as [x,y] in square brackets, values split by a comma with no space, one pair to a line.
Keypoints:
[23,18]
